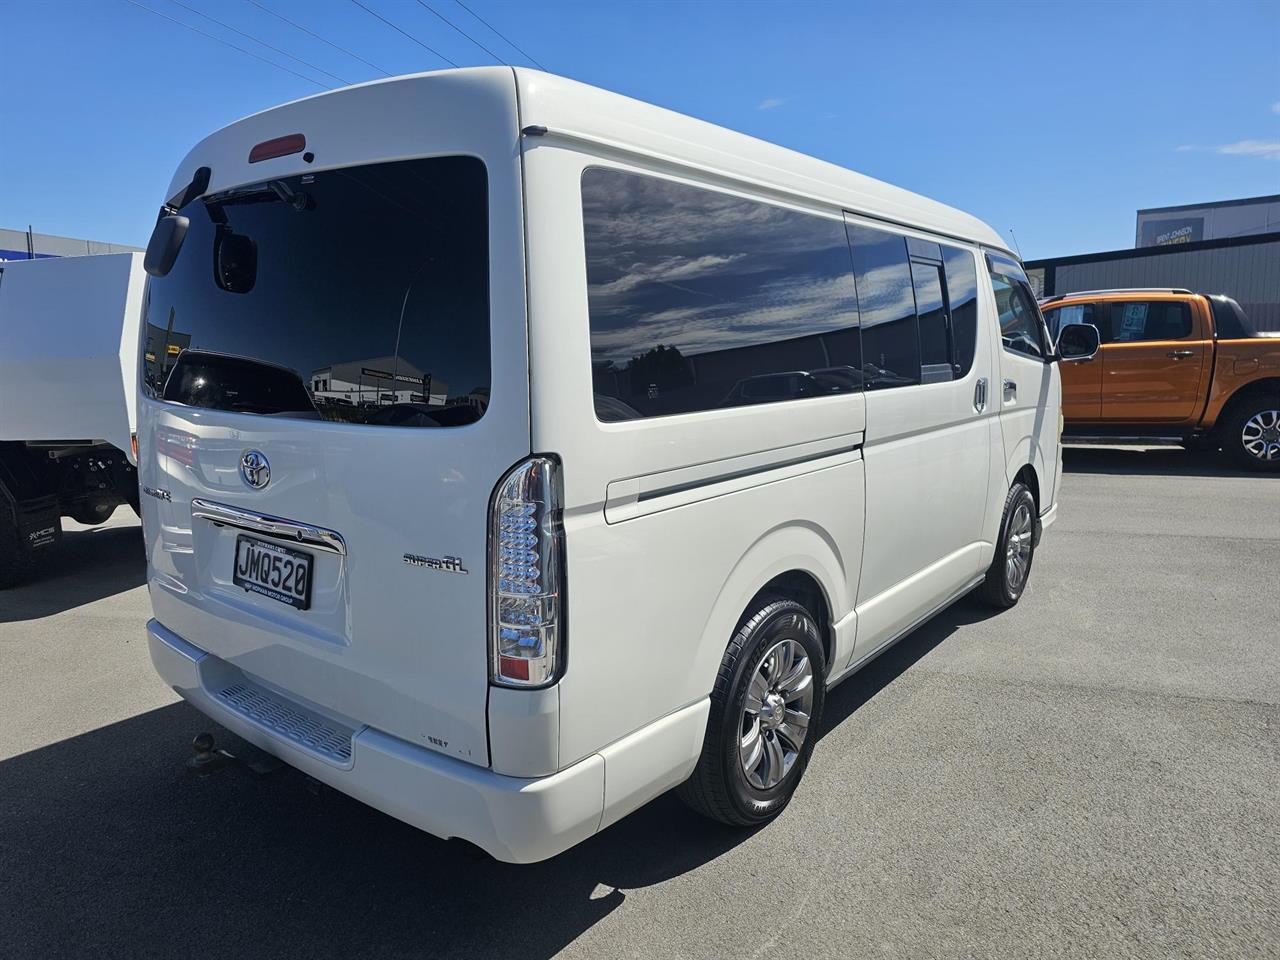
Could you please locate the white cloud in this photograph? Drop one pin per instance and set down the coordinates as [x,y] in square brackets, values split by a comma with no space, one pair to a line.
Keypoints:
[1275,107]
[1265,149]
[771,102]
[1268,150]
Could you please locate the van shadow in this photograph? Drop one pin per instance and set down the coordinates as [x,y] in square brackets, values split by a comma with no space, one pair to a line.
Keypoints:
[90,564]
[110,847]
[1162,461]
[852,694]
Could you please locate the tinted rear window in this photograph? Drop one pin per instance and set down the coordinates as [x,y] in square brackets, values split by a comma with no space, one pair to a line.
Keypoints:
[701,300]
[358,295]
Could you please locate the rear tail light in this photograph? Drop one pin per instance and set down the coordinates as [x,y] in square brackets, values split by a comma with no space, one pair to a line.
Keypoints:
[526,576]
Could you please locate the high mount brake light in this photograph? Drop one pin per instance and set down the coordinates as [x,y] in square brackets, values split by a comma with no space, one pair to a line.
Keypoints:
[526,576]
[279,147]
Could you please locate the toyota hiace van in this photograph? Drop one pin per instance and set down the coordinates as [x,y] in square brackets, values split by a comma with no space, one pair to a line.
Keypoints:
[528,451]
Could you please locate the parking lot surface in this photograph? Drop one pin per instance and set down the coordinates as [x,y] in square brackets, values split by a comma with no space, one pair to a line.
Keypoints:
[1093,773]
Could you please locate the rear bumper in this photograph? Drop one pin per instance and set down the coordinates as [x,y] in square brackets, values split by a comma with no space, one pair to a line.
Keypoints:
[514,819]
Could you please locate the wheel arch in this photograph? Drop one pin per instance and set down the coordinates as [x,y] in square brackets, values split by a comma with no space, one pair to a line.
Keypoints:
[796,561]
[1266,386]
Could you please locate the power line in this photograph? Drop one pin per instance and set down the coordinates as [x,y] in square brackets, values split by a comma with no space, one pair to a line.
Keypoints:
[228,43]
[495,30]
[398,30]
[463,32]
[248,36]
[312,33]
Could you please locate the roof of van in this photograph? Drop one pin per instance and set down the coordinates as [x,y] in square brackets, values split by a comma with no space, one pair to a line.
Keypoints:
[612,122]
[580,111]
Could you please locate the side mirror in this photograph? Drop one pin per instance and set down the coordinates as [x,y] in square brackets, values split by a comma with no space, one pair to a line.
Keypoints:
[235,260]
[166,241]
[1078,341]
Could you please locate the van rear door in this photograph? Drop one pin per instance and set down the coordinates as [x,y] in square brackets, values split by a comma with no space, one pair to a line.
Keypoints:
[334,378]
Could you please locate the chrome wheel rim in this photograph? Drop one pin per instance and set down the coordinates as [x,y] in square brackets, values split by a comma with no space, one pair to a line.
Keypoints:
[1018,548]
[775,716]
[1261,435]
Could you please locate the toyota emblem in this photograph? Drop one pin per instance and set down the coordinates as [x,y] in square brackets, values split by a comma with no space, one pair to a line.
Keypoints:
[255,469]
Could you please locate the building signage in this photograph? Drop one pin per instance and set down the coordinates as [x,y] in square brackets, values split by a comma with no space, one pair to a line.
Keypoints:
[1165,233]
[388,375]
[22,255]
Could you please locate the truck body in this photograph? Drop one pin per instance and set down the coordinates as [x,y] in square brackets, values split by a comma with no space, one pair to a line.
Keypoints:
[1173,364]
[68,374]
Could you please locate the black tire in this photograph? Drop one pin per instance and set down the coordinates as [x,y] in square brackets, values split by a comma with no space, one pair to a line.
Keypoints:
[14,561]
[719,787]
[92,513]
[1002,588]
[1261,416]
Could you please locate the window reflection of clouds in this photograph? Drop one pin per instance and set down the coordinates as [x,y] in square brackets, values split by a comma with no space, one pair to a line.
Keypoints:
[705,271]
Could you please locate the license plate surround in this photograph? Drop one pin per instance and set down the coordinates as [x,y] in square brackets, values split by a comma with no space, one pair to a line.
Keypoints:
[289,597]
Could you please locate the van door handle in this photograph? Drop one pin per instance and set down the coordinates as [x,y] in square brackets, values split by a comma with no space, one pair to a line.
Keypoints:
[980,394]
[1010,391]
[1180,354]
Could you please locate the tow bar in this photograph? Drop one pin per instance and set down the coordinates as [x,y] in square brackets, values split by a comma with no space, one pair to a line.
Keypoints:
[209,758]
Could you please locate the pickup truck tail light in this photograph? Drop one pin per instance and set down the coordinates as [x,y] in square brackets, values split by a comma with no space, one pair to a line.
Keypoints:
[526,576]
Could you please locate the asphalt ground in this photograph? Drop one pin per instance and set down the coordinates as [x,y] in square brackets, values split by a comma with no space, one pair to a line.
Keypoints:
[1092,774]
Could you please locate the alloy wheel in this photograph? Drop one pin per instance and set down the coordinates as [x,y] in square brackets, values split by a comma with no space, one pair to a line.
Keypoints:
[1018,548]
[1260,435]
[775,716]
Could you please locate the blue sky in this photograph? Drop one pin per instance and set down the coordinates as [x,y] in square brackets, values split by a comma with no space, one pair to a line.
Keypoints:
[1056,119]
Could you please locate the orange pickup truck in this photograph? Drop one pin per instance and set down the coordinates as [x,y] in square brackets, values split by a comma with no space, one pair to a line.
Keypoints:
[1172,365]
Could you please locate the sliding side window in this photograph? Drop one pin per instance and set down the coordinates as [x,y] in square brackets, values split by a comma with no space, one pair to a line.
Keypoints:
[890,339]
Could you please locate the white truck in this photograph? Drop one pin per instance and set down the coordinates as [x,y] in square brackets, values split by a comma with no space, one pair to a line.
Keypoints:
[68,377]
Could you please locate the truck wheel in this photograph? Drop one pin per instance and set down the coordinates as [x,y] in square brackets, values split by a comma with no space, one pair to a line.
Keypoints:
[14,561]
[1251,433]
[763,724]
[93,513]
[1015,549]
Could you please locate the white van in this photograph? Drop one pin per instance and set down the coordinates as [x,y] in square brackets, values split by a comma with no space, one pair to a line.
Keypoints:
[531,451]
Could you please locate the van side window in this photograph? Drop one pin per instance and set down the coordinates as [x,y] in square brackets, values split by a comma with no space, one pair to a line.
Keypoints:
[700,300]
[1021,328]
[962,299]
[931,312]
[886,300]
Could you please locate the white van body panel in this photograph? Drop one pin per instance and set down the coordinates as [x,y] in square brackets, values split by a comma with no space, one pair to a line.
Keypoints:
[881,505]
[386,644]
[69,348]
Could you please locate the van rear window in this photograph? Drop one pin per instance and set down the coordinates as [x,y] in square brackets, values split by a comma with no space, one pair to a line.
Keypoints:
[359,294]
[700,300]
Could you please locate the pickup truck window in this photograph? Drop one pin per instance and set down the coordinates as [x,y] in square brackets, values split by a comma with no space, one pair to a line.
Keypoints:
[1059,317]
[1133,321]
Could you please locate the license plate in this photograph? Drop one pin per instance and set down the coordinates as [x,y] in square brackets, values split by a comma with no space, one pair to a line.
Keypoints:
[273,571]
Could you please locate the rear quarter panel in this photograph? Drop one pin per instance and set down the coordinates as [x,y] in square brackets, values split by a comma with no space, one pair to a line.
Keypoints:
[655,592]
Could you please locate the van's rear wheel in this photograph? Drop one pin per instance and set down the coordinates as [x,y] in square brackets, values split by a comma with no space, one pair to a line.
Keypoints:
[1015,549]
[765,711]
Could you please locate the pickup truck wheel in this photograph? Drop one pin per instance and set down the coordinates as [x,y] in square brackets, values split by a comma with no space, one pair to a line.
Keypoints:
[765,709]
[1252,433]
[1015,549]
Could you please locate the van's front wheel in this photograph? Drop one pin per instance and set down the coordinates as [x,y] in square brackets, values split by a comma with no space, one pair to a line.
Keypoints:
[1015,549]
[765,711]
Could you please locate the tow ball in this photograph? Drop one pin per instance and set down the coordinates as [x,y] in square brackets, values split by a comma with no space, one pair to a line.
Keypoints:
[208,758]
